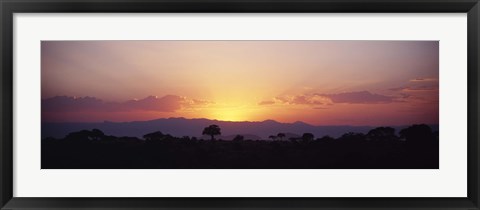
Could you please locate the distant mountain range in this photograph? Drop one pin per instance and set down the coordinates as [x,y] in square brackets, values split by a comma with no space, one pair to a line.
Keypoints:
[193,127]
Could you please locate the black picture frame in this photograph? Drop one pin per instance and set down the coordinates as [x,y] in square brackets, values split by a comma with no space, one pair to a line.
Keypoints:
[9,7]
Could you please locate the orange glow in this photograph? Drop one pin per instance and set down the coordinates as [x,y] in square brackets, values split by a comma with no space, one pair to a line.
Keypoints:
[229,114]
[317,82]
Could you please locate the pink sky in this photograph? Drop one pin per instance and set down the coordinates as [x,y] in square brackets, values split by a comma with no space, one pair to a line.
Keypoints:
[317,82]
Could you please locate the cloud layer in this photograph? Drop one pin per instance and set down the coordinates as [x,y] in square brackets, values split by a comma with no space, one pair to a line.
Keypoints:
[168,103]
[360,97]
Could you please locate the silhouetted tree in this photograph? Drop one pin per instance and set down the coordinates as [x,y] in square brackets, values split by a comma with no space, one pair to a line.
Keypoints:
[326,138]
[272,137]
[238,138]
[418,135]
[352,137]
[381,134]
[293,139]
[281,135]
[422,145]
[212,131]
[92,149]
[308,137]
[85,135]
[154,136]
[97,134]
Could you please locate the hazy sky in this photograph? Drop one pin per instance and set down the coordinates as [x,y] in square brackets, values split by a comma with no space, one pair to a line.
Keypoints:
[318,82]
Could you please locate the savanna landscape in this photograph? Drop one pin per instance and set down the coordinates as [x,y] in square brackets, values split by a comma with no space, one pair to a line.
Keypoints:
[240,105]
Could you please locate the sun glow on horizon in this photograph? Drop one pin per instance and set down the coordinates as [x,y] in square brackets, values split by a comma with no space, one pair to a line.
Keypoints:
[316,82]
[230,113]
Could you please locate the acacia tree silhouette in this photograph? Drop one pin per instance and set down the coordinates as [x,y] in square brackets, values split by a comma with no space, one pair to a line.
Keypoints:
[212,131]
[280,135]
[381,133]
[154,136]
[308,137]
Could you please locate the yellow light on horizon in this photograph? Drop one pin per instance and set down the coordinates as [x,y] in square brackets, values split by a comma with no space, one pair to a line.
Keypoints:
[230,114]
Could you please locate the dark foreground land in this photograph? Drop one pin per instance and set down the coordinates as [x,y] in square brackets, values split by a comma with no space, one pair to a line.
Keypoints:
[416,147]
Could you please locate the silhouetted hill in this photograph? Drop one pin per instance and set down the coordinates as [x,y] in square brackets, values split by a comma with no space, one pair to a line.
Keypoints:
[194,127]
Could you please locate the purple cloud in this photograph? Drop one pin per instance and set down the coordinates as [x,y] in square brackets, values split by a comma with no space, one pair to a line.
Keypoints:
[422,88]
[419,84]
[269,102]
[168,103]
[361,97]
[424,80]
[67,104]
[311,100]
[298,100]
[416,88]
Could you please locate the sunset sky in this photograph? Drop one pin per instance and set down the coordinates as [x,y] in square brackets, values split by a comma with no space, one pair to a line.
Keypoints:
[317,82]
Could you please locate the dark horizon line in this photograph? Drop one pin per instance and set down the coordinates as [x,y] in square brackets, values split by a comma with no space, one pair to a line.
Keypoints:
[243,121]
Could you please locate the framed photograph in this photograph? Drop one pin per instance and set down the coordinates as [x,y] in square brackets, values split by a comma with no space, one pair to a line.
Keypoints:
[239,105]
